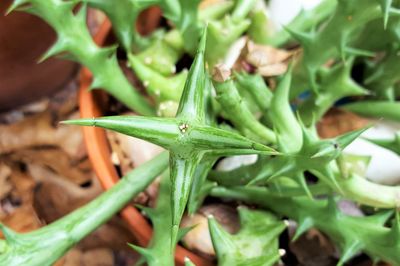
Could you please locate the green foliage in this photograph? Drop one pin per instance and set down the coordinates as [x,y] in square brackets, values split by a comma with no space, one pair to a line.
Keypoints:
[350,51]
[45,245]
[222,33]
[187,136]
[74,41]
[255,244]
[123,16]
[379,109]
[239,114]
[351,234]
[160,251]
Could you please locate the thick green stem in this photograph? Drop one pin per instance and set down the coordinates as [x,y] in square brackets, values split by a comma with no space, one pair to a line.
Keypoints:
[44,246]
[368,193]
[240,115]
[377,109]
[74,38]
[351,234]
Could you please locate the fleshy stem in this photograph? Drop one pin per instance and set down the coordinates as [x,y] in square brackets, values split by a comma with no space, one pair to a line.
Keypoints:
[188,137]
[74,39]
[45,245]
[351,234]
[229,98]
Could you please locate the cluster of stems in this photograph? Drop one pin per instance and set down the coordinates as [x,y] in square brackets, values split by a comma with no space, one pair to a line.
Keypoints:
[207,113]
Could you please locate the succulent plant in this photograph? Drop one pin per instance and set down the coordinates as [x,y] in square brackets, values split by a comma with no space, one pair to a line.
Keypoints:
[45,245]
[75,43]
[255,244]
[187,136]
[351,234]
[200,119]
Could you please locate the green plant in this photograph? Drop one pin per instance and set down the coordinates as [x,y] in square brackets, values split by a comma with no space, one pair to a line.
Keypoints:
[46,245]
[255,244]
[202,119]
[187,136]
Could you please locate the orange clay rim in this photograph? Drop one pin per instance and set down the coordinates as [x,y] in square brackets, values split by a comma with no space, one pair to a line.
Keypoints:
[99,155]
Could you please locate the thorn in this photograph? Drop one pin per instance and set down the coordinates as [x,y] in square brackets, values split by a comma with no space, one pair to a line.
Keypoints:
[303,38]
[385,5]
[301,180]
[15,5]
[349,251]
[143,251]
[303,226]
[55,49]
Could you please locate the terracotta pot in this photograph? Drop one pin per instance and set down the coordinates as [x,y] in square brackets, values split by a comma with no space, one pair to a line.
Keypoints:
[23,39]
[90,103]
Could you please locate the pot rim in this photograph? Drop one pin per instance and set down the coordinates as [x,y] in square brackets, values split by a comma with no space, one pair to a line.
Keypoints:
[98,150]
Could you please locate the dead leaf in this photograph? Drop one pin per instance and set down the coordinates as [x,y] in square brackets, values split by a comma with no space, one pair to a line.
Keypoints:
[5,186]
[57,196]
[221,73]
[38,130]
[23,219]
[314,249]
[272,70]
[57,160]
[266,60]
[72,258]
[337,122]
[262,55]
[98,257]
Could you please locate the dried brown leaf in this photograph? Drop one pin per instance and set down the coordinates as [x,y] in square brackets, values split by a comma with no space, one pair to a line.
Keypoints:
[337,122]
[56,195]
[262,55]
[272,70]
[221,73]
[38,130]
[5,185]
[314,249]
[58,161]
[23,219]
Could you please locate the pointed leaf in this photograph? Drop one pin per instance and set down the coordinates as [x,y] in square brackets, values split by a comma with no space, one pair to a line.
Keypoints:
[283,118]
[160,131]
[303,226]
[182,173]
[349,251]
[191,106]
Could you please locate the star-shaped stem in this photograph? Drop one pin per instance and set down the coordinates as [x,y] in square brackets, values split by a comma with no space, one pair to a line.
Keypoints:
[187,136]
